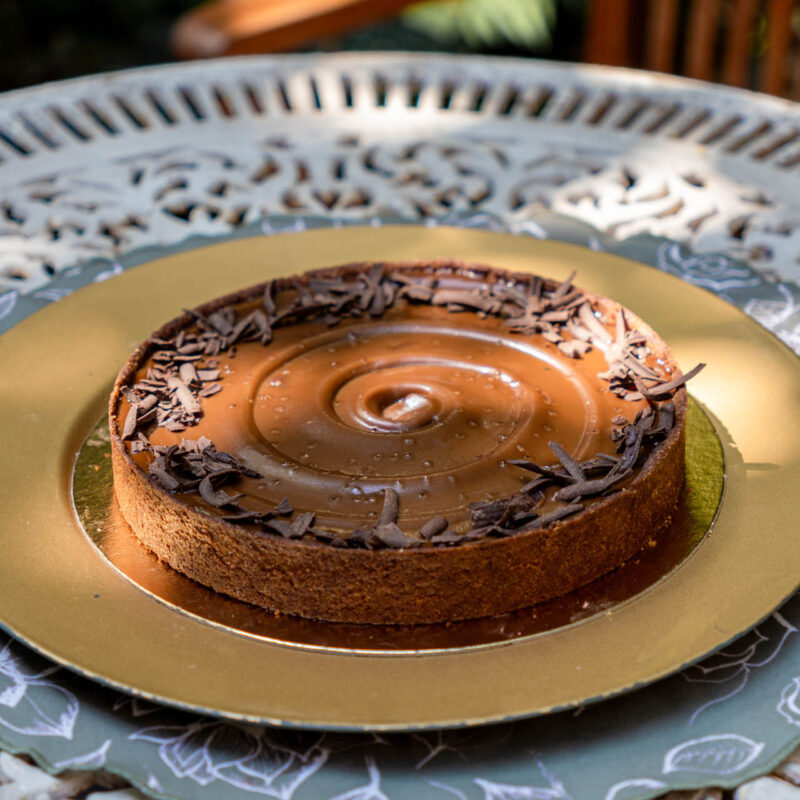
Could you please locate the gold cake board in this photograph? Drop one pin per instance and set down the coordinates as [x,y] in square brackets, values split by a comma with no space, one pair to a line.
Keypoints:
[693,516]
[59,594]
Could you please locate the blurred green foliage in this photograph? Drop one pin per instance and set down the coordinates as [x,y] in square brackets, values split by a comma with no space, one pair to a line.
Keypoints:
[488,24]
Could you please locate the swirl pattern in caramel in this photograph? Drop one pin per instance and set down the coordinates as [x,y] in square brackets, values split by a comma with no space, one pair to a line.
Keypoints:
[431,405]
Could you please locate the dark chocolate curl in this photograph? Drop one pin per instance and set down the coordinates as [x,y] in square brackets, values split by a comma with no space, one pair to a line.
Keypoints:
[661,389]
[567,461]
[391,507]
[555,516]
[588,488]
[284,508]
[433,527]
[129,426]
[218,499]
[391,536]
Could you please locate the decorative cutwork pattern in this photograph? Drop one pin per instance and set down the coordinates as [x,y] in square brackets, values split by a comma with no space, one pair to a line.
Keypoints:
[102,166]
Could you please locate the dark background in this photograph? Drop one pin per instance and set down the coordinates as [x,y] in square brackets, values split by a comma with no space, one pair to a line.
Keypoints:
[45,40]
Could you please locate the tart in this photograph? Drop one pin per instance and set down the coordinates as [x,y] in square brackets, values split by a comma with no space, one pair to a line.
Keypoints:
[399,443]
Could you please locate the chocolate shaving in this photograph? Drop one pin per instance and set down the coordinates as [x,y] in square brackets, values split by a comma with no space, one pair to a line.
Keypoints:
[587,317]
[206,375]
[555,516]
[447,537]
[280,526]
[504,515]
[359,538]
[140,444]
[242,517]
[203,322]
[129,426]
[457,299]
[662,389]
[163,477]
[587,488]
[421,294]
[284,508]
[433,527]
[546,472]
[488,513]
[185,397]
[268,301]
[220,323]
[568,462]
[665,419]
[563,288]
[391,507]
[603,472]
[302,523]
[296,529]
[391,536]
[637,368]
[216,498]
[147,416]
[574,348]
[374,298]
[187,373]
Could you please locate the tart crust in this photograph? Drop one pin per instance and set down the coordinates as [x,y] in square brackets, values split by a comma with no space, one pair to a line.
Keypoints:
[397,586]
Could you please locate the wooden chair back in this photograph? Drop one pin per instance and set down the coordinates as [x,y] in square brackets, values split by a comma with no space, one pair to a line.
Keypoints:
[237,27]
[748,43]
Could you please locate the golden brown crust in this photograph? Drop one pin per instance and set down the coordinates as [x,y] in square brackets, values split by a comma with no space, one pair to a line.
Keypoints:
[387,586]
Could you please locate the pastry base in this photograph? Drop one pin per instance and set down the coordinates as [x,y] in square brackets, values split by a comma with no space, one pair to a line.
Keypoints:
[693,516]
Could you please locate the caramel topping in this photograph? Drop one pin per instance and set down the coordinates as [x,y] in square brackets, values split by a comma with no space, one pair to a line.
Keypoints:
[336,402]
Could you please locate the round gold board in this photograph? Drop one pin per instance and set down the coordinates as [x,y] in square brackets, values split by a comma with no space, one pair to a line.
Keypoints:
[60,595]
[102,521]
